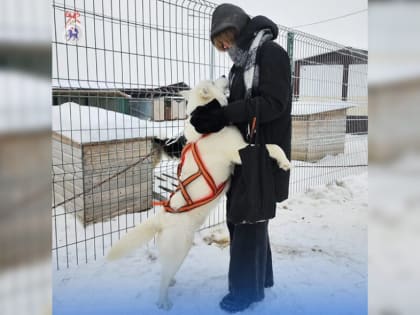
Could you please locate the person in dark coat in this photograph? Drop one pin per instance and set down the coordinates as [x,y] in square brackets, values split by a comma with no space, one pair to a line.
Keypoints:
[249,43]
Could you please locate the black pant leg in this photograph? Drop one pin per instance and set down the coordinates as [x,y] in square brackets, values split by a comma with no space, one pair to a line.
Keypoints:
[248,261]
[269,278]
[231,228]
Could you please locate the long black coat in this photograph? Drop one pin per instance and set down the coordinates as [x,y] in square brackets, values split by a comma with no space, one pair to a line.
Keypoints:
[274,96]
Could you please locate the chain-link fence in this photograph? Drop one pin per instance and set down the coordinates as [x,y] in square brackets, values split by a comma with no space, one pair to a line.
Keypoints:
[118,67]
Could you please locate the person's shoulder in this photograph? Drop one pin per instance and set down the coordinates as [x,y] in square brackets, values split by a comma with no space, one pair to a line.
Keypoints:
[274,49]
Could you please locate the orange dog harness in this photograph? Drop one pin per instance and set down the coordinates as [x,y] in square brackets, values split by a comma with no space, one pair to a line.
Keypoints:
[202,171]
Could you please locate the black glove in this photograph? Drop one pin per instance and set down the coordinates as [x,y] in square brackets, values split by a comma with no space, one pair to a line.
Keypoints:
[209,118]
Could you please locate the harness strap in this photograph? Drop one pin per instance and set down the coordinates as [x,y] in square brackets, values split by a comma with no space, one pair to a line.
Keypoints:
[197,203]
[202,171]
[191,178]
[183,153]
[185,193]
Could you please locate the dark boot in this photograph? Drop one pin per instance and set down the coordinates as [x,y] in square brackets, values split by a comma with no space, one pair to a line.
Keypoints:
[233,304]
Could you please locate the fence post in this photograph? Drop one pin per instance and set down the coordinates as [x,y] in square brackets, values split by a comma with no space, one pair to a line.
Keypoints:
[290,47]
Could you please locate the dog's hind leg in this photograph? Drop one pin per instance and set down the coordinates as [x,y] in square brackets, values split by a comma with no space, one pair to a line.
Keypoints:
[173,248]
[278,154]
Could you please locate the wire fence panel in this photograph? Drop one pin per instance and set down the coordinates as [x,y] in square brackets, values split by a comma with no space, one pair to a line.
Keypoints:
[118,68]
[329,111]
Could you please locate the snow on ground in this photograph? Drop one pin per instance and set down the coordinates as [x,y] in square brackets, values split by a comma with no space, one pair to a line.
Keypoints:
[319,244]
[394,225]
[352,161]
[26,289]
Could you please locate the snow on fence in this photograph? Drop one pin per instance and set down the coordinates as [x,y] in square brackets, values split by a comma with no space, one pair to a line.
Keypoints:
[118,68]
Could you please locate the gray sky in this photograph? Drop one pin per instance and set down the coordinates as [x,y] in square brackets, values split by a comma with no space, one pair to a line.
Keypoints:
[349,31]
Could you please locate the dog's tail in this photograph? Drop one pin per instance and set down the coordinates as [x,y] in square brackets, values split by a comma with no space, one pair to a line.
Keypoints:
[137,237]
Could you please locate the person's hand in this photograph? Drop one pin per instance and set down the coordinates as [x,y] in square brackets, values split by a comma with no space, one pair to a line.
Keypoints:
[209,118]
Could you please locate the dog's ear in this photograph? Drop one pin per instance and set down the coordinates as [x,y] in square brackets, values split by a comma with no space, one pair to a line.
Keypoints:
[185,94]
[205,93]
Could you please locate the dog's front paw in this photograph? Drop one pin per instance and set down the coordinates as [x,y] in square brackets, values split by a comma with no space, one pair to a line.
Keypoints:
[285,164]
[164,304]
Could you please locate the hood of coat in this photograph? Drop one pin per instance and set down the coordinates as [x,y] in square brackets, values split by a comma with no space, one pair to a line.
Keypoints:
[253,27]
[227,16]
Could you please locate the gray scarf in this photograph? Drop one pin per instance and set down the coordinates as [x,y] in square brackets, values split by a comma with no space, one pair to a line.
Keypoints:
[246,59]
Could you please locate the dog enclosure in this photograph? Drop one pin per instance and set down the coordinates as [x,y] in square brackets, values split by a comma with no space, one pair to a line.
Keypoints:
[316,124]
[118,68]
[110,178]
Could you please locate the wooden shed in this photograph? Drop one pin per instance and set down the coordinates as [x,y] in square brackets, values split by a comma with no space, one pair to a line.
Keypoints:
[24,194]
[318,129]
[165,102]
[394,100]
[169,108]
[102,161]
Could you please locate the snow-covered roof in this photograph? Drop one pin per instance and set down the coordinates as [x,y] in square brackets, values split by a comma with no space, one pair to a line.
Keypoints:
[86,124]
[24,104]
[315,107]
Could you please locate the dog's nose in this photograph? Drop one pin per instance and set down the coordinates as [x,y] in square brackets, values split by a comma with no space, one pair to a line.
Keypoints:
[223,76]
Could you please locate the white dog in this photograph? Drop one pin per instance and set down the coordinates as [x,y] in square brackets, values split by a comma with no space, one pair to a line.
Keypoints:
[175,232]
